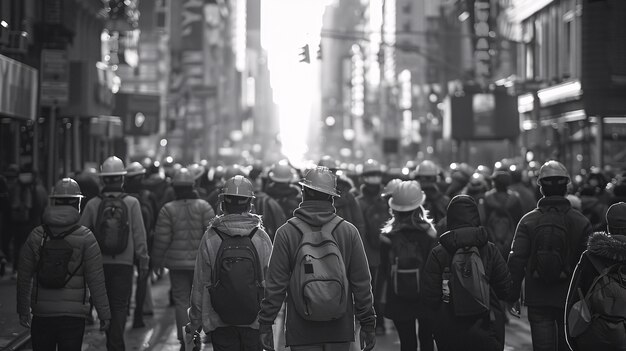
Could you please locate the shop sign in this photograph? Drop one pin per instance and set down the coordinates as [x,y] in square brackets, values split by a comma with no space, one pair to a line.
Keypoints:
[482,42]
[18,89]
[55,86]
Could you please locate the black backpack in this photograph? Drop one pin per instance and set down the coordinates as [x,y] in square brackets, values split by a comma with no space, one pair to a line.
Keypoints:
[112,227]
[406,260]
[55,254]
[550,251]
[601,313]
[469,283]
[148,207]
[236,282]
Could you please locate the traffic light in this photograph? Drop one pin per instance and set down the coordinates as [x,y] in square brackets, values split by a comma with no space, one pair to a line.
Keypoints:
[304,54]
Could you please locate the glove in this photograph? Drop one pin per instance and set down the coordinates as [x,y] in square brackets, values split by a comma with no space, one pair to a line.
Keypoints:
[194,335]
[266,334]
[515,309]
[25,320]
[367,337]
[105,324]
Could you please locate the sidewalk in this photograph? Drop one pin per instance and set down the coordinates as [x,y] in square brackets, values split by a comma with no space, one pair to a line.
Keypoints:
[10,327]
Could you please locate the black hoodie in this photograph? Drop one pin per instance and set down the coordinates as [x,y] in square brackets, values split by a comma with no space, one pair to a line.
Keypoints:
[606,250]
[456,333]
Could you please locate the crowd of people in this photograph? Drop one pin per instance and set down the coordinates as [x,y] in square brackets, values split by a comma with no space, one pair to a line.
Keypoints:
[456,251]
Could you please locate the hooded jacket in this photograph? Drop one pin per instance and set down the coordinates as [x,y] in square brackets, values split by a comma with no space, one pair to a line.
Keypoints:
[298,330]
[201,312]
[73,299]
[137,247]
[375,213]
[484,332]
[538,293]
[179,229]
[607,250]
[347,207]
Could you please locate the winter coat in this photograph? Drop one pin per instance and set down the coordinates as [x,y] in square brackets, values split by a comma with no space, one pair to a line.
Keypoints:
[607,250]
[298,330]
[201,312]
[510,202]
[484,332]
[538,293]
[347,207]
[396,307]
[137,247]
[73,299]
[271,212]
[376,214]
[526,195]
[287,195]
[179,229]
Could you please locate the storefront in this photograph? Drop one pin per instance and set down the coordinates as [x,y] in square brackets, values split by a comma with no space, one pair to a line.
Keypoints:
[18,112]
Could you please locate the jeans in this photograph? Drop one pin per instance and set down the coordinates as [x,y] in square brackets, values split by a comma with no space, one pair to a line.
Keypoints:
[236,339]
[181,281]
[118,279]
[64,333]
[547,328]
[408,337]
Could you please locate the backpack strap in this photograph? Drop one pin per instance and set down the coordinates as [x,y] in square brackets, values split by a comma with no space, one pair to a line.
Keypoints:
[304,227]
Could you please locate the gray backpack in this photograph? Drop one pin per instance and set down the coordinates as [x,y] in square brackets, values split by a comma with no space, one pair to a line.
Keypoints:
[319,284]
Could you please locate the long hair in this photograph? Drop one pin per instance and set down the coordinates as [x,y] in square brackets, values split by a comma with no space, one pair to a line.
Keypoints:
[407,219]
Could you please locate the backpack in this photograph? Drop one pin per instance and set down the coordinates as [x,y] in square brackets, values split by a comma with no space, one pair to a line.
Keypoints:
[470,287]
[112,227]
[55,254]
[236,282]
[319,283]
[501,227]
[148,206]
[406,260]
[550,250]
[602,311]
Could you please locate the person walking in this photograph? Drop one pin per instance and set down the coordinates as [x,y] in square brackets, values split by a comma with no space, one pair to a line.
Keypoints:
[597,286]
[229,272]
[59,262]
[280,188]
[406,241]
[427,173]
[178,233]
[116,221]
[457,326]
[376,214]
[548,243]
[338,286]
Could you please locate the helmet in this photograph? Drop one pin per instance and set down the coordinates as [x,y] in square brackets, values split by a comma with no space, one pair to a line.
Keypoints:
[552,168]
[112,166]
[371,166]
[66,188]
[134,169]
[407,196]
[478,183]
[183,177]
[196,170]
[427,168]
[321,179]
[328,162]
[391,186]
[281,173]
[238,186]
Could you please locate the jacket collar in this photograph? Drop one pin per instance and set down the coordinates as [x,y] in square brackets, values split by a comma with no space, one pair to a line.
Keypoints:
[463,237]
[559,202]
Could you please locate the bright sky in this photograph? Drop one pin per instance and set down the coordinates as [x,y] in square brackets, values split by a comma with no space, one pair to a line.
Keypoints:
[286,26]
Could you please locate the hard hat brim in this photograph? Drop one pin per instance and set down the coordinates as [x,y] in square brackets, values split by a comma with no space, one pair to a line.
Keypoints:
[107,174]
[235,195]
[321,190]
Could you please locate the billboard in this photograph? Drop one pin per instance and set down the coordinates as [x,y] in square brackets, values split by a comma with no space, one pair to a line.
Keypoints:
[139,113]
[484,116]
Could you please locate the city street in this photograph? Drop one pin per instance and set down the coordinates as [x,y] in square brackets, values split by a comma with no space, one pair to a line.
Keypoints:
[160,332]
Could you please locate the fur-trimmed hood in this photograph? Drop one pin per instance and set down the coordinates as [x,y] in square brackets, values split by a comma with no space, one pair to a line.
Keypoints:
[608,246]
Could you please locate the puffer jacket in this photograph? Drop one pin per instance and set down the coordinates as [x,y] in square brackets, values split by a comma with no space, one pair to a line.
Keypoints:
[201,312]
[73,299]
[538,293]
[178,233]
[300,331]
[376,214]
[606,250]
[483,332]
[137,247]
